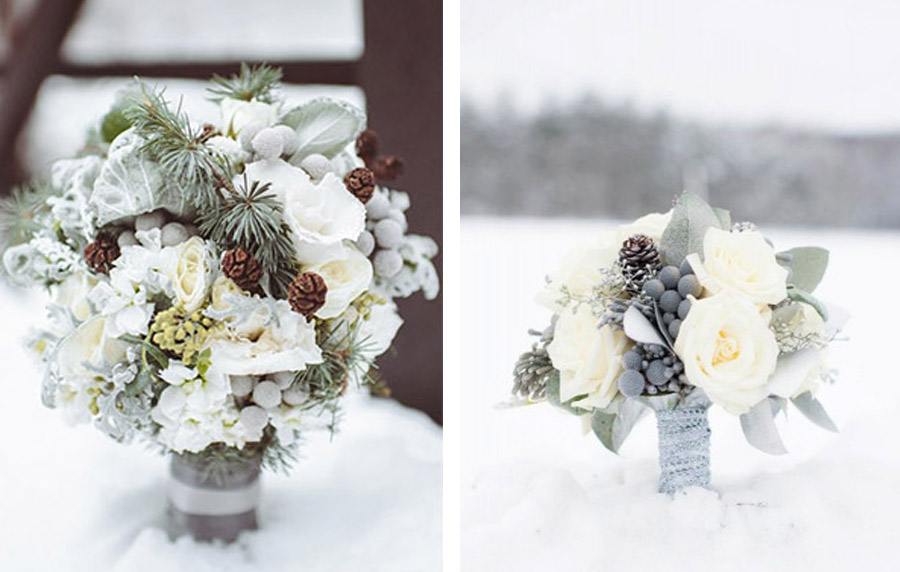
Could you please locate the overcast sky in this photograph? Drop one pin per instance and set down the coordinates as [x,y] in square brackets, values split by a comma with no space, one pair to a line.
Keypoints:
[825,63]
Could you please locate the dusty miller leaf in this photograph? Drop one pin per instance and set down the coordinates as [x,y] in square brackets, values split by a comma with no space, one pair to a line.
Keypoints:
[759,429]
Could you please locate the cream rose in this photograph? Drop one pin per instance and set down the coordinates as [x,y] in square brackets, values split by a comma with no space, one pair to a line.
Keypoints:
[347,274]
[238,114]
[192,273]
[651,225]
[579,272]
[728,351]
[741,262]
[588,358]
[88,345]
[321,214]
[72,294]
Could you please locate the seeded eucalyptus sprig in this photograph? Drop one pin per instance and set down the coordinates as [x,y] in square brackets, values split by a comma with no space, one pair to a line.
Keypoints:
[178,147]
[256,82]
[249,215]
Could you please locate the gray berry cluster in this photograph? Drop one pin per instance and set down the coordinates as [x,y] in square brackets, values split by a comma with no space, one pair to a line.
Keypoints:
[670,291]
[385,231]
[651,369]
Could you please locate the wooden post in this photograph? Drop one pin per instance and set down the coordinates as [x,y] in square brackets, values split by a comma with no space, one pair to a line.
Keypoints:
[401,73]
[33,57]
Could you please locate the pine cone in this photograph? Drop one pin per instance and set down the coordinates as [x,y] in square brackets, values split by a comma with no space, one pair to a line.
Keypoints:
[639,260]
[242,267]
[367,145]
[101,253]
[306,293]
[360,182]
[387,168]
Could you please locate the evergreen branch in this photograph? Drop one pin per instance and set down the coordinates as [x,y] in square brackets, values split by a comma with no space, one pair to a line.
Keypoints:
[252,83]
[250,216]
[178,147]
[20,213]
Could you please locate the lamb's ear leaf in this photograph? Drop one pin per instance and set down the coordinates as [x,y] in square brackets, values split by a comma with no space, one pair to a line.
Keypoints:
[810,407]
[602,424]
[553,396]
[639,329]
[630,412]
[691,218]
[806,264]
[759,429]
[799,295]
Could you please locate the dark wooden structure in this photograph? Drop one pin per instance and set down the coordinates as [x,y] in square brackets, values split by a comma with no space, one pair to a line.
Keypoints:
[401,74]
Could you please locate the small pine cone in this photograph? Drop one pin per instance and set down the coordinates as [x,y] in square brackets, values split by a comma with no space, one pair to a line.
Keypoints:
[360,182]
[207,132]
[387,168]
[367,145]
[306,293]
[639,260]
[242,268]
[101,253]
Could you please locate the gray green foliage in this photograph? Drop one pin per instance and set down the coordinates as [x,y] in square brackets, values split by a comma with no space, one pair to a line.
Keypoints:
[691,218]
[20,212]
[252,83]
[813,410]
[799,295]
[759,428]
[613,428]
[324,126]
[807,265]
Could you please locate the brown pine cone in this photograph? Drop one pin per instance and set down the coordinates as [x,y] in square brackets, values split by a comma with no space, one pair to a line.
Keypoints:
[306,293]
[360,182]
[367,145]
[387,168]
[101,253]
[242,268]
[639,260]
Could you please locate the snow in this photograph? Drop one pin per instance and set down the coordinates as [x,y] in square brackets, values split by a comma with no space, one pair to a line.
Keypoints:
[73,500]
[540,495]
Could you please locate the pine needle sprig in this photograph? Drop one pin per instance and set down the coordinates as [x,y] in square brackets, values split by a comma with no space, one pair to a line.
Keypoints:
[344,355]
[252,83]
[178,147]
[249,215]
[20,213]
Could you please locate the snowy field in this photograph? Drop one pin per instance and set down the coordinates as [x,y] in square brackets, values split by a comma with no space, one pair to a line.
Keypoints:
[73,500]
[538,495]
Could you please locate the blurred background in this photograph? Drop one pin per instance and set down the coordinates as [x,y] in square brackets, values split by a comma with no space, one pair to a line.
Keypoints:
[579,116]
[63,60]
[785,112]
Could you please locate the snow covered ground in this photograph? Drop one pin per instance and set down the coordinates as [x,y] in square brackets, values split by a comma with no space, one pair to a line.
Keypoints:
[73,500]
[539,495]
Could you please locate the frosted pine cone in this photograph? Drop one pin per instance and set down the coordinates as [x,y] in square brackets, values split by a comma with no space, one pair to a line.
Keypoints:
[306,293]
[639,260]
[242,268]
[101,253]
[360,182]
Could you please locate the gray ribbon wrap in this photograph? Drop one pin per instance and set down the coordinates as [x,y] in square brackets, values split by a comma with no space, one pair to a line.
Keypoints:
[212,505]
[683,448]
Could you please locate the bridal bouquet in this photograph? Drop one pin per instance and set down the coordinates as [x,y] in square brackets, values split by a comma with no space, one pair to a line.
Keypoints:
[216,288]
[674,313]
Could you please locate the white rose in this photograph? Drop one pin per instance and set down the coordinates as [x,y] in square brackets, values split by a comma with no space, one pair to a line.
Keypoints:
[588,358]
[72,294]
[651,225]
[741,262]
[88,346]
[192,273]
[347,275]
[579,272]
[238,114]
[728,351]
[273,339]
[319,214]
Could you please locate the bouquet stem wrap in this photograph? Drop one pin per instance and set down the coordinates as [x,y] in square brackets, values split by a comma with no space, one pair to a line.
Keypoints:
[683,448]
[213,502]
